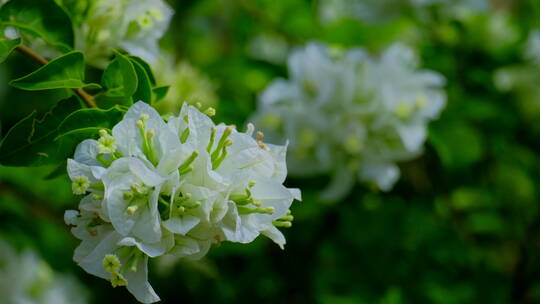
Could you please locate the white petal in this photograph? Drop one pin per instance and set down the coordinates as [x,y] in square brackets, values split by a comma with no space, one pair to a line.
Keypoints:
[384,175]
[413,135]
[86,153]
[342,181]
[275,235]
[147,226]
[138,283]
[181,224]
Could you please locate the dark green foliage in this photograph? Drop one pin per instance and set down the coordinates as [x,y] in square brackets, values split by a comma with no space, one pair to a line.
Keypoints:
[43,19]
[7,46]
[64,72]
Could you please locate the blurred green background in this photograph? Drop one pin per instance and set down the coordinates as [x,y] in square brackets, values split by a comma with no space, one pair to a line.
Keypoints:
[461,226]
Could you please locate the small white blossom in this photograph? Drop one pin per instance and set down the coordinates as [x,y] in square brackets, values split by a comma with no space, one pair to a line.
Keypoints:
[173,188]
[532,47]
[348,113]
[135,26]
[186,84]
[25,278]
[377,11]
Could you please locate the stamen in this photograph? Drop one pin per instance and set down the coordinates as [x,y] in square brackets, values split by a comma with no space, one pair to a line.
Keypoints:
[80,185]
[210,112]
[282,224]
[250,128]
[247,210]
[133,261]
[106,143]
[118,279]
[132,209]
[186,170]
[212,138]
[111,263]
[189,161]
[147,142]
[185,134]
[259,139]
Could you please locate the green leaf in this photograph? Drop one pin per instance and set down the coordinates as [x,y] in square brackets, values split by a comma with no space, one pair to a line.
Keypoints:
[146,67]
[7,46]
[51,140]
[43,19]
[160,93]
[120,78]
[30,142]
[64,72]
[58,171]
[144,86]
[119,81]
[86,119]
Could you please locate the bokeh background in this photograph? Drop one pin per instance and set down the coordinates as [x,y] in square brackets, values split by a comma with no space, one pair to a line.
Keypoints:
[462,225]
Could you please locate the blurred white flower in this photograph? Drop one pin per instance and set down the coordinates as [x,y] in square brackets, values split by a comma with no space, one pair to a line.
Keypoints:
[268,47]
[377,11]
[26,279]
[186,84]
[173,188]
[532,47]
[132,25]
[102,25]
[347,113]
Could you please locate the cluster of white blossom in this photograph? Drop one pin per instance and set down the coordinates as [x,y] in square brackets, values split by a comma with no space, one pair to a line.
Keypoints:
[186,84]
[532,47]
[103,25]
[154,188]
[376,11]
[132,25]
[26,279]
[348,113]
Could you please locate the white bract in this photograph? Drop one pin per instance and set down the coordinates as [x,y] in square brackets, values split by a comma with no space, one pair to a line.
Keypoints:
[155,188]
[348,113]
[133,25]
[26,279]
[532,47]
[377,11]
[186,84]
[103,25]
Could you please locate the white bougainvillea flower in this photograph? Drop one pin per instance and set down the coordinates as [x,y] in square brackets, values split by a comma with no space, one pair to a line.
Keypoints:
[347,113]
[135,26]
[25,278]
[156,188]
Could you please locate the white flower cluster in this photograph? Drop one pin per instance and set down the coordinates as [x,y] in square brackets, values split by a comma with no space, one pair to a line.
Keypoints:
[532,47]
[348,113]
[154,188]
[26,279]
[377,11]
[132,25]
[186,84]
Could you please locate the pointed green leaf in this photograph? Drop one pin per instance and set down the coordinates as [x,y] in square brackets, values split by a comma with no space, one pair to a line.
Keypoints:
[146,67]
[90,118]
[120,78]
[144,86]
[43,19]
[160,93]
[58,170]
[51,140]
[30,142]
[7,46]
[64,72]
[119,81]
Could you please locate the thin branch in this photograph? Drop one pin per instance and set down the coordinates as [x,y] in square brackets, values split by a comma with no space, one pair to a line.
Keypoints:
[87,98]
